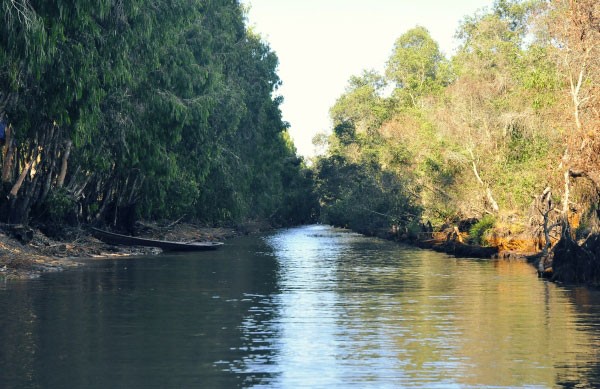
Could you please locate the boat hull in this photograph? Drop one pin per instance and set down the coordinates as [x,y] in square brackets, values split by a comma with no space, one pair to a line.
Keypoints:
[118,239]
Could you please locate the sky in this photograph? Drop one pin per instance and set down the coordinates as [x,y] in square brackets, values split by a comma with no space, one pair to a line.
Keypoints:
[322,43]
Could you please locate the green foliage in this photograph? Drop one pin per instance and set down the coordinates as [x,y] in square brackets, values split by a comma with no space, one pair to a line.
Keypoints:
[453,133]
[539,77]
[361,107]
[415,65]
[170,107]
[345,132]
[478,231]
[60,206]
[413,229]
[362,196]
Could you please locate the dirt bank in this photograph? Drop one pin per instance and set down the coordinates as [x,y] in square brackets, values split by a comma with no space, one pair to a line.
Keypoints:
[27,252]
[455,242]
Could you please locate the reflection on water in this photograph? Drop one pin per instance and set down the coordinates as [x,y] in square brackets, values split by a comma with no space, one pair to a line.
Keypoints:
[304,307]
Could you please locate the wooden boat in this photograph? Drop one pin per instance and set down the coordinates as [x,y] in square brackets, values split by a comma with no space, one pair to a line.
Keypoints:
[113,238]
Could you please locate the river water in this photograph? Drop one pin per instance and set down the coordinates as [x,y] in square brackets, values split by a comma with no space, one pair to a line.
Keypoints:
[306,307]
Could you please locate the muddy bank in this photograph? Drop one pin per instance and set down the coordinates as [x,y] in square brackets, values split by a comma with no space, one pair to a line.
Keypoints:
[28,252]
[454,241]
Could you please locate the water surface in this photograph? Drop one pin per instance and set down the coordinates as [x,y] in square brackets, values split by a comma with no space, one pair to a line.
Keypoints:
[304,307]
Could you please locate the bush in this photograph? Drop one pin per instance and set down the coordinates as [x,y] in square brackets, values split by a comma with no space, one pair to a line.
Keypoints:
[413,229]
[479,229]
[61,207]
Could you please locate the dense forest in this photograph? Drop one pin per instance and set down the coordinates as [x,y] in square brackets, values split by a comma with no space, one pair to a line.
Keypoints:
[113,111]
[117,110]
[505,133]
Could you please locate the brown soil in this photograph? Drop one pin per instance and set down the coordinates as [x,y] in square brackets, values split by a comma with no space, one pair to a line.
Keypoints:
[43,254]
[500,246]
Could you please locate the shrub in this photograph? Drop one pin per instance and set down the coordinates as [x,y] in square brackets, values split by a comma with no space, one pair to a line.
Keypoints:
[479,229]
[61,207]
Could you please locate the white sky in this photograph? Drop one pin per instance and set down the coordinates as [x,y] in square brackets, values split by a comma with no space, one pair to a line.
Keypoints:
[321,43]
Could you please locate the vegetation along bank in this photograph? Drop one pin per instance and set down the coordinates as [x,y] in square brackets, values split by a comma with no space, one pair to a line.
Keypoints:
[114,112]
[497,146]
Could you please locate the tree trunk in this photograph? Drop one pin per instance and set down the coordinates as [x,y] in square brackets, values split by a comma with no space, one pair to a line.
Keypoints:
[545,207]
[488,191]
[21,213]
[565,205]
[493,202]
[8,156]
[577,101]
[15,189]
[105,201]
[63,168]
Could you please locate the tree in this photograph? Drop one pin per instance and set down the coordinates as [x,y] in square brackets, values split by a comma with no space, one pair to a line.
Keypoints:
[575,27]
[578,39]
[127,109]
[491,109]
[416,67]
[362,104]
[364,197]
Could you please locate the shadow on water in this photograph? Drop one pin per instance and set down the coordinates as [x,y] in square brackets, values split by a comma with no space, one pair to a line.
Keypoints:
[311,306]
[167,321]
[585,371]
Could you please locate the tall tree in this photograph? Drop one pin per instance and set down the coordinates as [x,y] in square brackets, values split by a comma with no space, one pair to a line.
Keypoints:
[125,109]
[416,66]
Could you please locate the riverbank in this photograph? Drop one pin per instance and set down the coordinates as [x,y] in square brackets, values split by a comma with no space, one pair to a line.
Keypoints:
[453,241]
[29,257]
[27,252]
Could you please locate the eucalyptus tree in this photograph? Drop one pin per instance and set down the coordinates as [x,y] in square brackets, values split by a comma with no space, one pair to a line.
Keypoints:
[139,108]
[253,156]
[53,72]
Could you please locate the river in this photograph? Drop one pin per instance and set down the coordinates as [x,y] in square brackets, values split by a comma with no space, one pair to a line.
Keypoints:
[311,306]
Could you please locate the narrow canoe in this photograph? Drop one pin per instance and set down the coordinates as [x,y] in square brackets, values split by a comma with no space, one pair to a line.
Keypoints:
[113,238]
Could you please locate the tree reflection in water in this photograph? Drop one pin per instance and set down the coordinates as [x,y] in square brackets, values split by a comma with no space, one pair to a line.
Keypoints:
[310,306]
